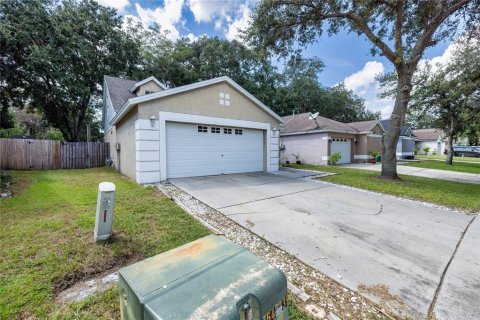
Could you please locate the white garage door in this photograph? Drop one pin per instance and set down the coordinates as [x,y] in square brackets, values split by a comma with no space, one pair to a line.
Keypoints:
[344,146]
[201,150]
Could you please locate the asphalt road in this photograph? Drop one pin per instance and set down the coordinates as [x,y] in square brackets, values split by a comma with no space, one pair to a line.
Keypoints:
[406,256]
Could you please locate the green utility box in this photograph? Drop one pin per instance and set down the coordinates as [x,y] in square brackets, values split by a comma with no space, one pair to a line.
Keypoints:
[210,278]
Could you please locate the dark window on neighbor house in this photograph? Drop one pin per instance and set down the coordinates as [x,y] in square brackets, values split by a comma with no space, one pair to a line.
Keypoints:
[227,131]
[149,91]
[214,130]
[202,129]
[238,131]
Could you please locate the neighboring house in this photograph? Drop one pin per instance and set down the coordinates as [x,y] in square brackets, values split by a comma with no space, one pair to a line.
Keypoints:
[313,141]
[406,142]
[433,138]
[205,128]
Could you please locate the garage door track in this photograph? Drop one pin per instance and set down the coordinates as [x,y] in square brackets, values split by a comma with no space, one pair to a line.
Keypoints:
[404,255]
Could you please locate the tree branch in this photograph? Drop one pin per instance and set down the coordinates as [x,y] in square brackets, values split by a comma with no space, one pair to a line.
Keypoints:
[428,33]
[363,26]
[400,8]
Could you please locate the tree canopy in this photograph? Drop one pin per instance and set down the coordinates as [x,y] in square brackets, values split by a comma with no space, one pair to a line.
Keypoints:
[399,30]
[293,88]
[54,56]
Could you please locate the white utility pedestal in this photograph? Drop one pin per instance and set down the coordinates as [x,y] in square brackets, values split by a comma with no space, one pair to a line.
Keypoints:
[104,217]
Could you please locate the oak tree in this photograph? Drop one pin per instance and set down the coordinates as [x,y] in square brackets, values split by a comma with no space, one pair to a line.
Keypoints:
[400,30]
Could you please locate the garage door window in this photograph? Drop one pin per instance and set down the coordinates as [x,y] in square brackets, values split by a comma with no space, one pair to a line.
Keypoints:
[227,131]
[214,130]
[238,131]
[202,129]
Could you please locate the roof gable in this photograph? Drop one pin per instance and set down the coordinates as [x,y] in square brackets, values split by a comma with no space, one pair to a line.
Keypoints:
[145,81]
[172,91]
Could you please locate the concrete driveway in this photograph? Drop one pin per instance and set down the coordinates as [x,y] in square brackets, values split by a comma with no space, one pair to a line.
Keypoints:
[395,252]
[422,172]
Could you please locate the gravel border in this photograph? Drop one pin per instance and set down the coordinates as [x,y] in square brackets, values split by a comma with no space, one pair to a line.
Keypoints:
[325,293]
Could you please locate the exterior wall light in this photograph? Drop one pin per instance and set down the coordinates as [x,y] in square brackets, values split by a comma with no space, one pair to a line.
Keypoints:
[152,121]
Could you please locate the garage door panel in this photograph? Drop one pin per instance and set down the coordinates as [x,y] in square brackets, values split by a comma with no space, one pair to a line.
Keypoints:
[344,147]
[193,153]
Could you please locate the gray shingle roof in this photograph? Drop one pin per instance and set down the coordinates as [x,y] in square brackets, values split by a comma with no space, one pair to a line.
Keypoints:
[363,125]
[428,134]
[302,123]
[119,89]
[403,132]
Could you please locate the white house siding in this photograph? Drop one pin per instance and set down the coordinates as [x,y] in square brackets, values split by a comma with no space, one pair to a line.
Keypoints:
[147,142]
[311,148]
[434,145]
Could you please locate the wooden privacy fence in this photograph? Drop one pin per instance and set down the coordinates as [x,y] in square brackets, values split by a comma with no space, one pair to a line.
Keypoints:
[28,154]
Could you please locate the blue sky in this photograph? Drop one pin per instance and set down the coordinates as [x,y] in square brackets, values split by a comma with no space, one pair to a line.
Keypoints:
[346,56]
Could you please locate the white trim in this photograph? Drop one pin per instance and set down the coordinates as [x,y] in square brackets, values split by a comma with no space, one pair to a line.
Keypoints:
[373,135]
[134,101]
[362,157]
[165,117]
[141,83]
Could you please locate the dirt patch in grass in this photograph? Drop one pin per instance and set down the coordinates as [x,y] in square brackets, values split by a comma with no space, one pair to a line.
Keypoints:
[108,266]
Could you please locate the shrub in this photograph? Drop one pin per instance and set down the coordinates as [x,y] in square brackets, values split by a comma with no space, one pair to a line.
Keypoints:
[434,152]
[374,154]
[334,158]
[426,150]
[415,151]
[5,178]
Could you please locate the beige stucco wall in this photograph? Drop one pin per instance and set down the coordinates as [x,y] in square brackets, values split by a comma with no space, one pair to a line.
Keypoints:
[361,148]
[149,86]
[125,134]
[310,147]
[374,144]
[205,102]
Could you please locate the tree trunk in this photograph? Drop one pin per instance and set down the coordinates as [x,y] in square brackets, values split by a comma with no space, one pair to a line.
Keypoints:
[450,134]
[390,139]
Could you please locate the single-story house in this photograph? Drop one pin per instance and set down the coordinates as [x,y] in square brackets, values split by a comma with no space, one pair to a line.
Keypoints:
[433,138]
[406,141]
[205,128]
[315,140]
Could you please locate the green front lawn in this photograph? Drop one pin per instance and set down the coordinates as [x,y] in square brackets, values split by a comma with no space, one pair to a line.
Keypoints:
[46,239]
[440,165]
[464,196]
[443,157]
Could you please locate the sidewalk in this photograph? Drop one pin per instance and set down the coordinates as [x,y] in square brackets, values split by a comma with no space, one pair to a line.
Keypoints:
[422,172]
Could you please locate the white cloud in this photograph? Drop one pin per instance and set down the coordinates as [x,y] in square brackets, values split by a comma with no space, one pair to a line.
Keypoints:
[167,16]
[435,62]
[364,78]
[364,84]
[241,23]
[206,11]
[120,5]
